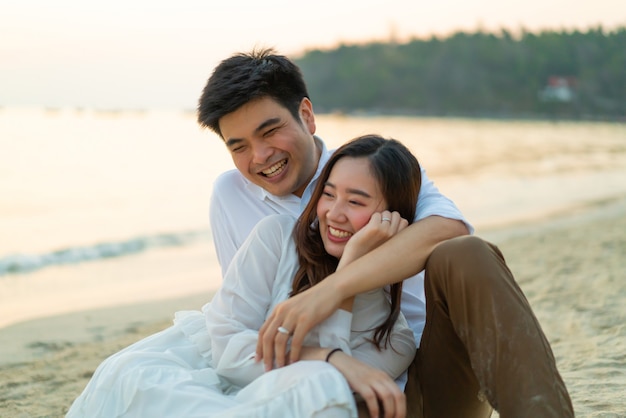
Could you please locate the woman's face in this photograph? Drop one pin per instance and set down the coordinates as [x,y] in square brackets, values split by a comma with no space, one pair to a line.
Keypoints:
[351,195]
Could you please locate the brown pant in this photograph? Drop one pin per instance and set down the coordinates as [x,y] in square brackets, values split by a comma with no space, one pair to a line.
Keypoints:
[482,346]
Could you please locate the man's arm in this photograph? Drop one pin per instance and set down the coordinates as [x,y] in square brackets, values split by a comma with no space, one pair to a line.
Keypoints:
[397,259]
[401,257]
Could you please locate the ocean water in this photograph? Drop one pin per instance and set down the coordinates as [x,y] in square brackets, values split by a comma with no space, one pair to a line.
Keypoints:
[79,187]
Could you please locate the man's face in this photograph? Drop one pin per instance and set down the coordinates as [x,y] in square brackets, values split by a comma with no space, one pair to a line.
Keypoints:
[271,148]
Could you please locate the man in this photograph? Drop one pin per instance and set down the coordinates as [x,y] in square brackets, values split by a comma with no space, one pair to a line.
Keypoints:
[480,344]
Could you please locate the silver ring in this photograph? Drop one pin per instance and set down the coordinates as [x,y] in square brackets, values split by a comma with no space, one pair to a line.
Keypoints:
[386,219]
[284,330]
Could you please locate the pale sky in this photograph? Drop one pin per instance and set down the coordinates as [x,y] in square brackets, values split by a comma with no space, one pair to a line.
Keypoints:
[155,53]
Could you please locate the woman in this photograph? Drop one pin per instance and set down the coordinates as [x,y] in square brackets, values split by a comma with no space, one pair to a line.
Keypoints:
[204,365]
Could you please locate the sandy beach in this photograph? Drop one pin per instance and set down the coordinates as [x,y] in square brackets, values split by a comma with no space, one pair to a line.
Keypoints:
[571,268]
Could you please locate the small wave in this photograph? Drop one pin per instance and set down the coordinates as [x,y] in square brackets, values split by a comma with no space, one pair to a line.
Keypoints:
[26,263]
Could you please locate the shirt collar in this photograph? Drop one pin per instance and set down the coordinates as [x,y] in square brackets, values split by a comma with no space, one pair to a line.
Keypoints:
[324,157]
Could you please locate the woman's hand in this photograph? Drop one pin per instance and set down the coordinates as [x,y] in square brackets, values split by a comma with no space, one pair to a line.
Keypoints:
[376,388]
[381,227]
[372,385]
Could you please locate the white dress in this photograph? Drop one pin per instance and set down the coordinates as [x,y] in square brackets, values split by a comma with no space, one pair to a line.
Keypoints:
[203,366]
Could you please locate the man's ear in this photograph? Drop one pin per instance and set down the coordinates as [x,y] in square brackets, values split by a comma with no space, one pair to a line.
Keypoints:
[307,116]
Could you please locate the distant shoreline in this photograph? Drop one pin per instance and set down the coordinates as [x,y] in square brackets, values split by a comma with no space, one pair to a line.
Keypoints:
[531,117]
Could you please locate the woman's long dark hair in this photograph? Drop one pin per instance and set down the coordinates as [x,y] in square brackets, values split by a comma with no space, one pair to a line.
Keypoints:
[399,176]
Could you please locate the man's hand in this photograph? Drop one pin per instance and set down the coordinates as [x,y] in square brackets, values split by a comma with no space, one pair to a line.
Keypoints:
[298,315]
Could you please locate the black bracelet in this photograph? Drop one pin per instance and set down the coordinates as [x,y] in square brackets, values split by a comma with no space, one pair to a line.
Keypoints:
[333,351]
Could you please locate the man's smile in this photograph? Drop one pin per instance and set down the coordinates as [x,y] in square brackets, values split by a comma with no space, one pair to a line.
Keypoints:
[275,169]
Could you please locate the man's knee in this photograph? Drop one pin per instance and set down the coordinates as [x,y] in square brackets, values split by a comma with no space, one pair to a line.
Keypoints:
[466,249]
[466,259]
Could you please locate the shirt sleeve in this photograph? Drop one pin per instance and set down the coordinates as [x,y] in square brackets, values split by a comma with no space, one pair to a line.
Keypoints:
[369,311]
[334,332]
[430,202]
[240,306]
[222,229]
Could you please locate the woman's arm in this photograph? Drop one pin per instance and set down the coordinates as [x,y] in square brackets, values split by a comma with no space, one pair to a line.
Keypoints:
[373,234]
[370,372]
[397,259]
[251,286]
[370,310]
[372,384]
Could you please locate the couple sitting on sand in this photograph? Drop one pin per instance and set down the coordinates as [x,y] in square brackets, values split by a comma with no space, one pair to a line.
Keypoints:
[336,267]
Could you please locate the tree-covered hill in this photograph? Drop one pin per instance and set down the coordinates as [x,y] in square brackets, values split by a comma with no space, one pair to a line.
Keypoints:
[570,74]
